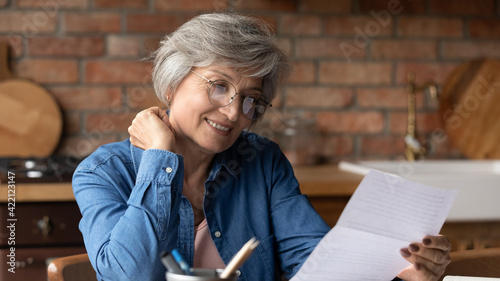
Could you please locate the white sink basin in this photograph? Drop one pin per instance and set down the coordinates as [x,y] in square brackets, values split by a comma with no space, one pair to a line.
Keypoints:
[478,182]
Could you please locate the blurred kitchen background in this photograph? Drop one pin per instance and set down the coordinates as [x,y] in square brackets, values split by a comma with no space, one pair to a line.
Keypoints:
[347,99]
[351,60]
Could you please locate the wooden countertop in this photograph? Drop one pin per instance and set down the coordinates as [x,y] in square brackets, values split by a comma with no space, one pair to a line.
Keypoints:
[326,180]
[38,192]
[315,181]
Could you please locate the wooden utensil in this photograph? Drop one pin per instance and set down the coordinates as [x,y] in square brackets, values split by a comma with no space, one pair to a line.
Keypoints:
[470,109]
[30,119]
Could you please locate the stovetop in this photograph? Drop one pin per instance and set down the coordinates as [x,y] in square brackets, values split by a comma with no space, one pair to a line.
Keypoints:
[56,168]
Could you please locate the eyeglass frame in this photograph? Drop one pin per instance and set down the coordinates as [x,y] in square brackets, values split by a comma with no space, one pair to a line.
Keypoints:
[231,99]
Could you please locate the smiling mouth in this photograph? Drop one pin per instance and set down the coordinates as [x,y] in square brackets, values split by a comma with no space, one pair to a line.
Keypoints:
[218,127]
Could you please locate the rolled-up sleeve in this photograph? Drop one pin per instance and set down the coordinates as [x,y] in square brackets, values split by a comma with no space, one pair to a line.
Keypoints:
[128,218]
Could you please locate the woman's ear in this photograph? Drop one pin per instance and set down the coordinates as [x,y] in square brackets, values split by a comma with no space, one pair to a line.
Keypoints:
[168,98]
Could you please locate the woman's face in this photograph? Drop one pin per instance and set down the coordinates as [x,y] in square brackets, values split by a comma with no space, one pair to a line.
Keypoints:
[199,124]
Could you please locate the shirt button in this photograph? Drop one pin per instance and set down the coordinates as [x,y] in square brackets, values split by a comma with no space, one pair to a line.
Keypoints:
[168,170]
[238,272]
[217,234]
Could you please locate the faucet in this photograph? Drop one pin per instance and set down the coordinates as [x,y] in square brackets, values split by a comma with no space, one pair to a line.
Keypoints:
[414,148]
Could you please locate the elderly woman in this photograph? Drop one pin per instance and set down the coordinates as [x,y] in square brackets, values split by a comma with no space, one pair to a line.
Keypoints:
[191,178]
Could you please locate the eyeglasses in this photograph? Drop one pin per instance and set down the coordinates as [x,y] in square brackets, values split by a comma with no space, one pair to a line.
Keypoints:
[222,93]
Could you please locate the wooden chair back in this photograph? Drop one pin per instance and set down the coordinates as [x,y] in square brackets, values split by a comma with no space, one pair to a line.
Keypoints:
[71,268]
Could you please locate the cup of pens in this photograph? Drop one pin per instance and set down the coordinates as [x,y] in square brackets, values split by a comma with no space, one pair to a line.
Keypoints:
[179,270]
[200,274]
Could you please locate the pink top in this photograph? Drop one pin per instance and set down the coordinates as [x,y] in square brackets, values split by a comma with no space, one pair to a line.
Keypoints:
[205,252]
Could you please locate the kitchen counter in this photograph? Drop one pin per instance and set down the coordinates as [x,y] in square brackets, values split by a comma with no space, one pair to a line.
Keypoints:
[326,180]
[38,192]
[328,189]
[315,181]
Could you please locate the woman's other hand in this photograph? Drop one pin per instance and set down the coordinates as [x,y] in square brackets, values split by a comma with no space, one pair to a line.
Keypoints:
[429,259]
[151,129]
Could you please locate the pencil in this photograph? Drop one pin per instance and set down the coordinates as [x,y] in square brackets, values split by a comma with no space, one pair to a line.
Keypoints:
[240,257]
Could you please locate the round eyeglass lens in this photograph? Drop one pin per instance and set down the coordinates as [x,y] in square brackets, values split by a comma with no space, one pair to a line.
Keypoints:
[219,94]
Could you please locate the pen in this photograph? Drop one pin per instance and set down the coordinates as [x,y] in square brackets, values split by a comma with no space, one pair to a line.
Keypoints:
[240,258]
[182,263]
[170,263]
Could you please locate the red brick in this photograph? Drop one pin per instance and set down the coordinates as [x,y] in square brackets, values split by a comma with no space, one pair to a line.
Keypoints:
[106,72]
[141,97]
[382,145]
[285,44]
[106,123]
[333,147]
[486,28]
[355,73]
[463,7]
[404,49]
[127,4]
[48,71]
[303,72]
[319,97]
[293,24]
[28,23]
[124,46]
[424,72]
[52,5]
[271,20]
[151,44]
[471,50]
[66,46]
[394,6]
[91,22]
[3,3]
[77,98]
[321,6]
[160,23]
[350,122]
[358,25]
[264,5]
[425,122]
[82,145]
[393,98]
[326,48]
[430,27]
[190,5]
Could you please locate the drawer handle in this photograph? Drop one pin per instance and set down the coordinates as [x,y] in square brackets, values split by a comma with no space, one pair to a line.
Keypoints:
[22,264]
[45,225]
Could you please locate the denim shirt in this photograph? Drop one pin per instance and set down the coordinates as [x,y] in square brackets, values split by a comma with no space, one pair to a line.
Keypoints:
[133,209]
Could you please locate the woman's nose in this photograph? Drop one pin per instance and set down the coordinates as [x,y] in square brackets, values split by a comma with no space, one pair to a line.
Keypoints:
[232,110]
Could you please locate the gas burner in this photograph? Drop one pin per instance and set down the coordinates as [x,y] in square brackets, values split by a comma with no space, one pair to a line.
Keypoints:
[57,168]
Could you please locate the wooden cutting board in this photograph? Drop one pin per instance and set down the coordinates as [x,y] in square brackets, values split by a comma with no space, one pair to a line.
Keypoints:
[30,119]
[470,109]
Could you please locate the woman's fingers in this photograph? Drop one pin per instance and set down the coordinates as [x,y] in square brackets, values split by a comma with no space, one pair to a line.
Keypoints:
[417,272]
[429,258]
[151,129]
[439,242]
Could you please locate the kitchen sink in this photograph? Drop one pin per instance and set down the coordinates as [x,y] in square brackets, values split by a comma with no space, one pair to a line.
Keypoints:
[477,182]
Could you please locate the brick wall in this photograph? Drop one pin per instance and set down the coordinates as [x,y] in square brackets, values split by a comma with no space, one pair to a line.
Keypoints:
[351,58]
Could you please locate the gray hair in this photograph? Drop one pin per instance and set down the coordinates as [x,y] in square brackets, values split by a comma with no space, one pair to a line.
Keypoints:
[224,39]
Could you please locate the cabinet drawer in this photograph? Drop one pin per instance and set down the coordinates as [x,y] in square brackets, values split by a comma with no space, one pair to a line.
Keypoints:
[31,264]
[42,224]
